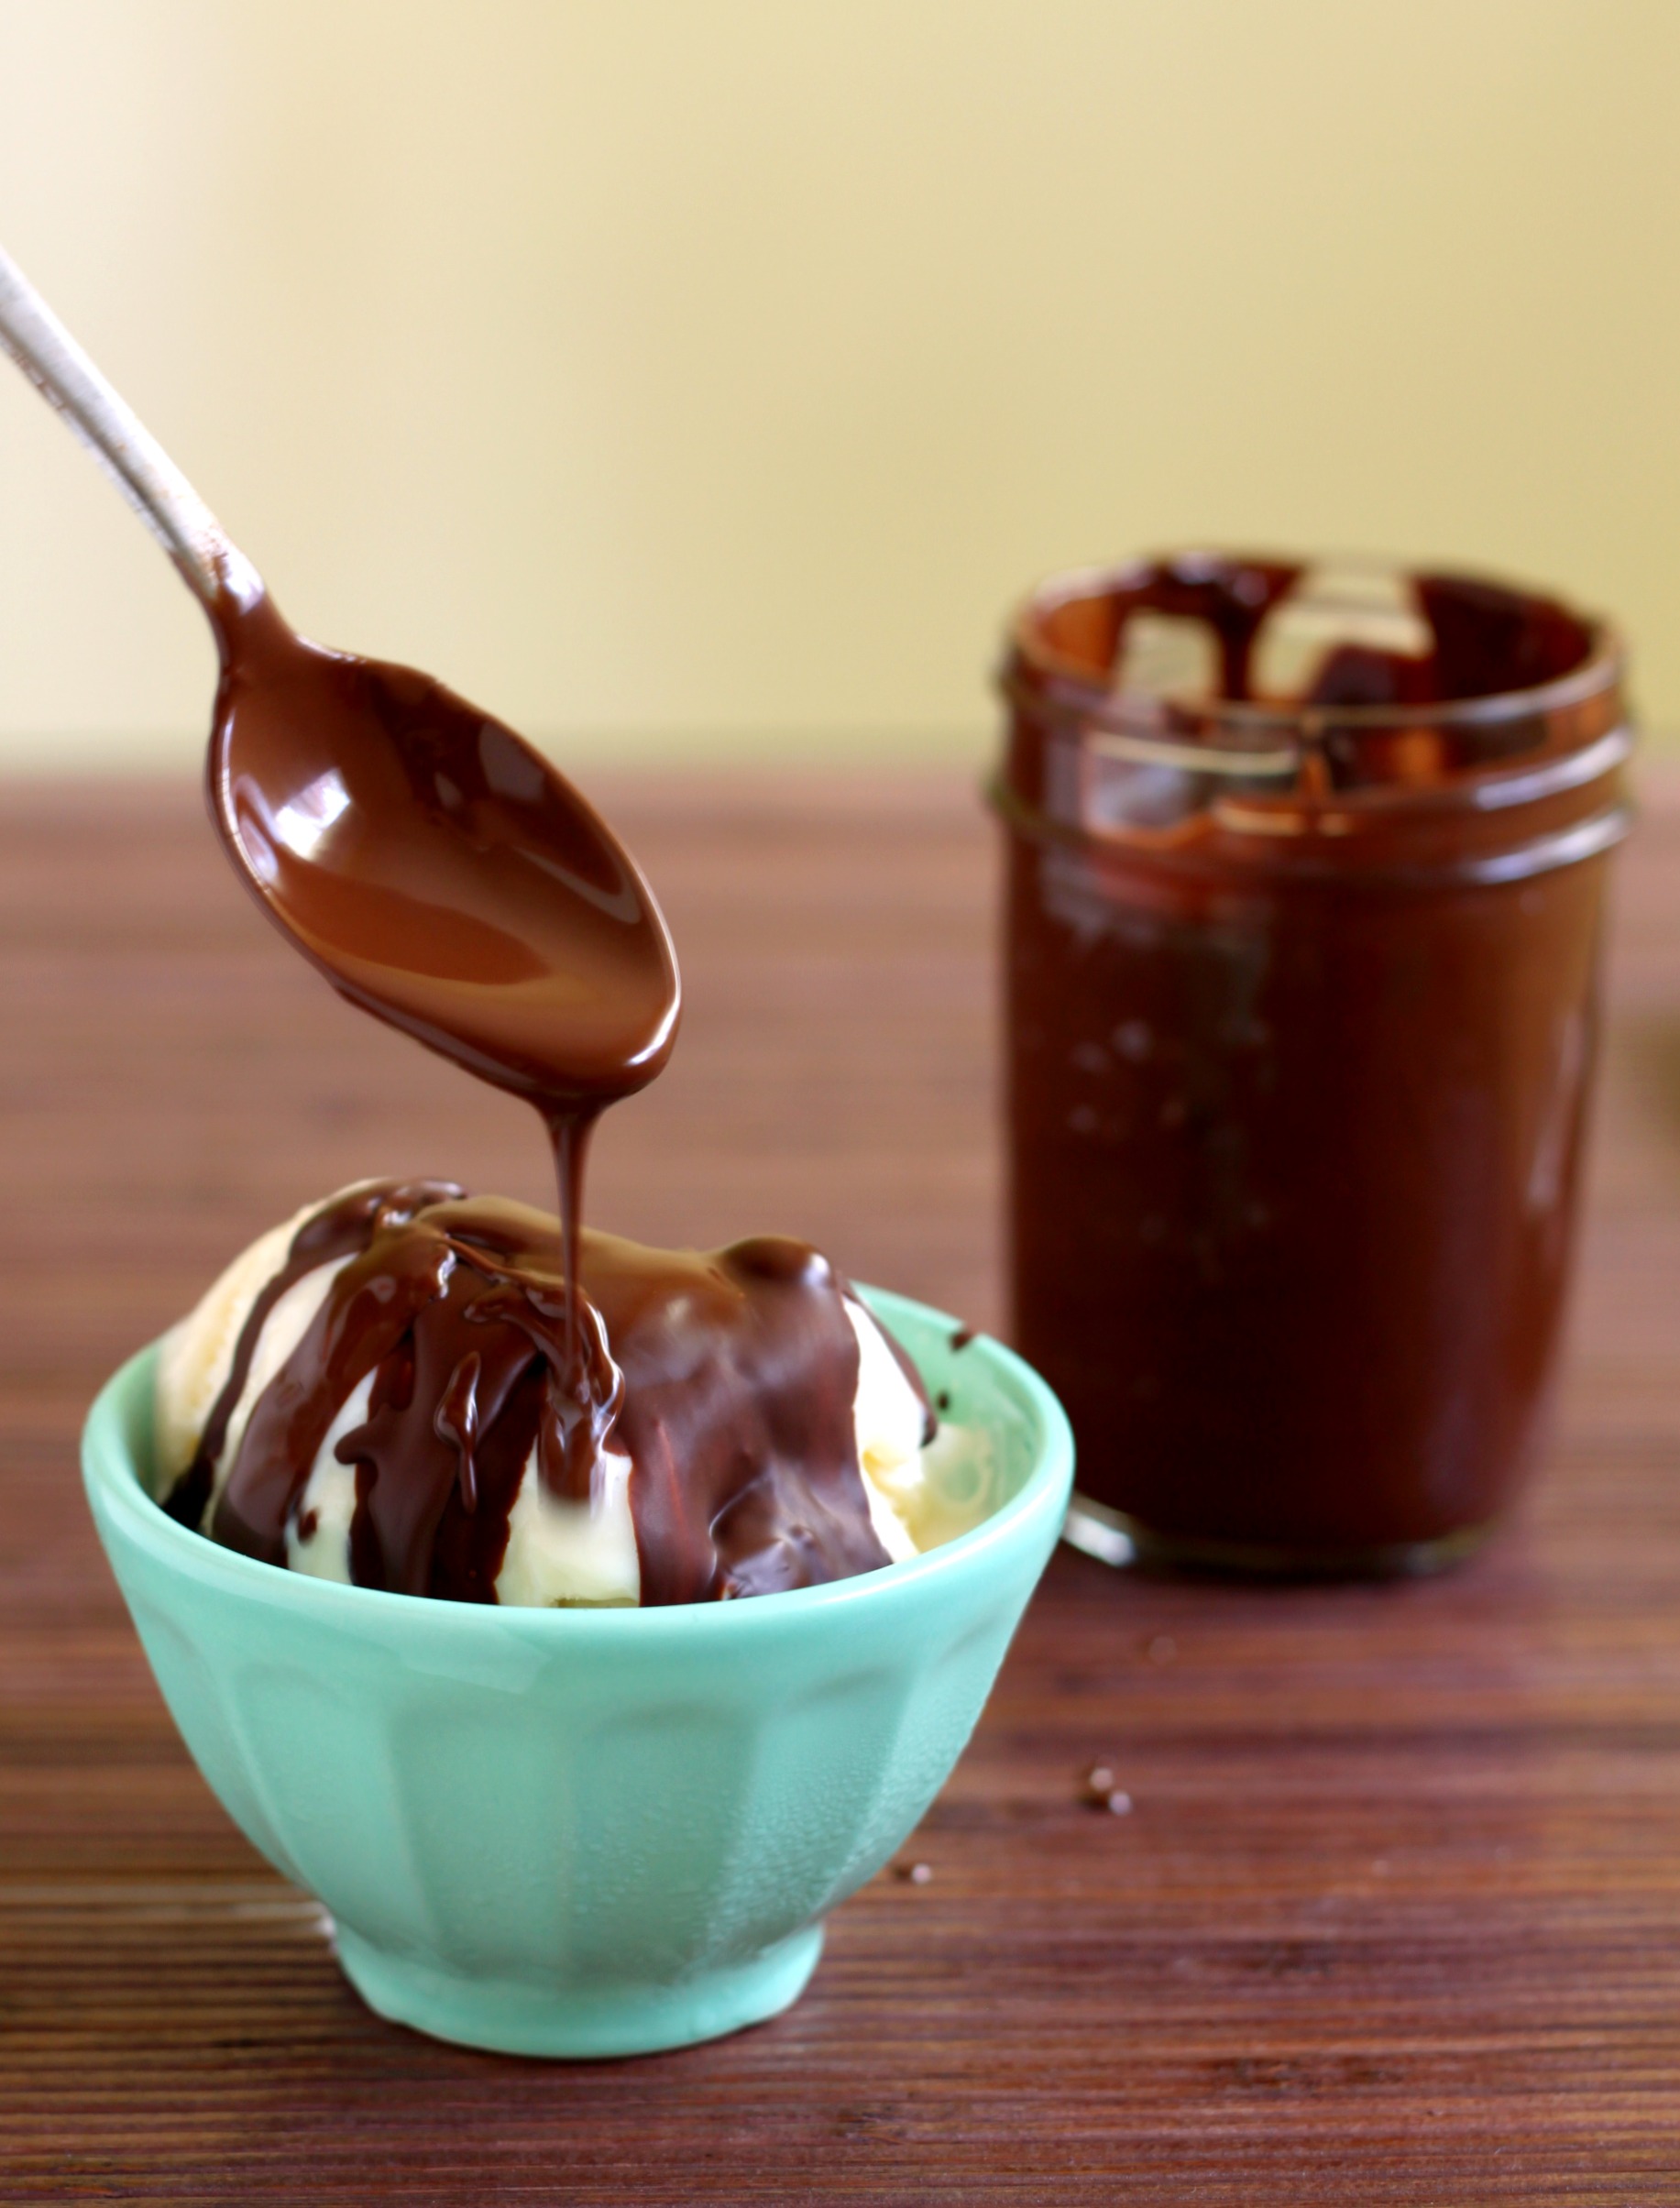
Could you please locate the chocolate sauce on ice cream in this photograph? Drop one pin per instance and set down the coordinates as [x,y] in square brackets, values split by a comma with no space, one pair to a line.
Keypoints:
[729,1383]
[442,877]
[430,1393]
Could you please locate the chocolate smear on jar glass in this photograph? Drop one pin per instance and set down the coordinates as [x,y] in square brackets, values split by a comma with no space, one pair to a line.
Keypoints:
[1306,875]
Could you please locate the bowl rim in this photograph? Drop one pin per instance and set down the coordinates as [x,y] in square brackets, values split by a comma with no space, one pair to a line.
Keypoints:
[116,1496]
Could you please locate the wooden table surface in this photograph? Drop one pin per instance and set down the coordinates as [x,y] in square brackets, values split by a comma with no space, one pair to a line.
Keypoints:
[1396,1915]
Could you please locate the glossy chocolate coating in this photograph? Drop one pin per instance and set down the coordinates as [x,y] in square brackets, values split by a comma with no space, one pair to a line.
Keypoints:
[1297,1063]
[437,870]
[444,878]
[442,875]
[729,1384]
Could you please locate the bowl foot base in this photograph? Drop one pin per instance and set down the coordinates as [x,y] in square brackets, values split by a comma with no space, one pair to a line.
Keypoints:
[516,2018]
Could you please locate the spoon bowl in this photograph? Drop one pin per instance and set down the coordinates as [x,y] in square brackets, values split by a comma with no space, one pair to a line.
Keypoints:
[437,870]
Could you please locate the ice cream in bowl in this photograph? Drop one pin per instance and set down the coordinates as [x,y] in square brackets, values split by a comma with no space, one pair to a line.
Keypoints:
[579,1621]
[599,1798]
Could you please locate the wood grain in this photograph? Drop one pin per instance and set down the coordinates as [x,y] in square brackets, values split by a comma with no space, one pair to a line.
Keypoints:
[1394,1916]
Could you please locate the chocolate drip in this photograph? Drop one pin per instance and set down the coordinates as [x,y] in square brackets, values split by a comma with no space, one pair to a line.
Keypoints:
[337,1230]
[1298,1067]
[740,1370]
[1484,638]
[1230,597]
[730,1385]
[444,878]
[907,1365]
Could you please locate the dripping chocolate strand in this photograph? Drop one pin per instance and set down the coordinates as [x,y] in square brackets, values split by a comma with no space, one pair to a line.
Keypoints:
[367,1315]
[569,1132]
[444,878]
[456,1420]
[338,1229]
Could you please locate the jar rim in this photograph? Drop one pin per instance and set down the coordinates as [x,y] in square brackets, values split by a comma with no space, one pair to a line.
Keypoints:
[1075,692]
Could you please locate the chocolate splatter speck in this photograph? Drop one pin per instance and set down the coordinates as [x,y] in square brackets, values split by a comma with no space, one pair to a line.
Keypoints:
[1098,1791]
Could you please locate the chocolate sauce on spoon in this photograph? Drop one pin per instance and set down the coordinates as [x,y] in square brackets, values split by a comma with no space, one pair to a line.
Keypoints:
[444,877]
[434,866]
[436,869]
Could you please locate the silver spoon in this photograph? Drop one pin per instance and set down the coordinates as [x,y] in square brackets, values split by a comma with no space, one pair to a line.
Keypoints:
[434,867]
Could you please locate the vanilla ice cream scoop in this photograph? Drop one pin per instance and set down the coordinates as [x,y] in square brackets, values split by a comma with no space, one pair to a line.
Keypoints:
[378,1391]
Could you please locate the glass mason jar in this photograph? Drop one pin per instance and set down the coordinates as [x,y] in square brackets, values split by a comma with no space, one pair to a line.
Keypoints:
[1306,875]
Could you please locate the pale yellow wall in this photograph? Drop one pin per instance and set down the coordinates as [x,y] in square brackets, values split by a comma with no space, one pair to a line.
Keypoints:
[686,366]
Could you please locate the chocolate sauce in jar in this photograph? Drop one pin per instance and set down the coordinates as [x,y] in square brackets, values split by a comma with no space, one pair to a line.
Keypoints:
[1304,912]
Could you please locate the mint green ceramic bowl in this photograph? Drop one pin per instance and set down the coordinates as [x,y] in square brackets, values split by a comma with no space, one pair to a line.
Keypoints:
[586,1832]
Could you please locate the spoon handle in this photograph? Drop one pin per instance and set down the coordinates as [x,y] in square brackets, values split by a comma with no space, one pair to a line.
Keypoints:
[52,360]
